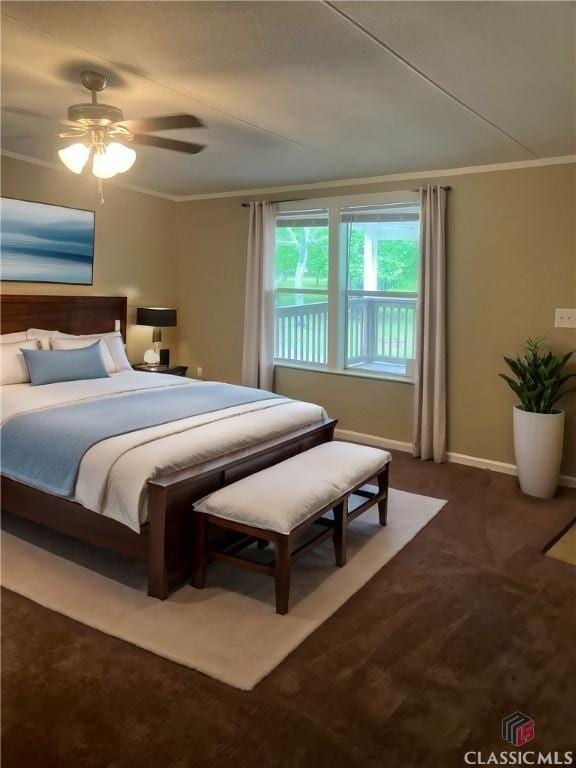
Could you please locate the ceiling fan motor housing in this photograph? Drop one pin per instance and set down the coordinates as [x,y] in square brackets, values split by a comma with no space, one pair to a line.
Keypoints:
[93,81]
[94,114]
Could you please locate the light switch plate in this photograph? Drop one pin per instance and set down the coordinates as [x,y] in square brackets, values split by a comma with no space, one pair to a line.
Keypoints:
[565,318]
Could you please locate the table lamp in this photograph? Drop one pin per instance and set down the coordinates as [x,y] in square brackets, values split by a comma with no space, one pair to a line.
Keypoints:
[158,318]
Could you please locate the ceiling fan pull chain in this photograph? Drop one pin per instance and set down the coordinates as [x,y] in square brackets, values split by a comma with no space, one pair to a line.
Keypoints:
[101,191]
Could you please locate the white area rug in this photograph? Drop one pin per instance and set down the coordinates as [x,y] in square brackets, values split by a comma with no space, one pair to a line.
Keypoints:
[229,630]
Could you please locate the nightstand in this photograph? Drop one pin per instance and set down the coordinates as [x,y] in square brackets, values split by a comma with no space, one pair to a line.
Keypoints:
[173,370]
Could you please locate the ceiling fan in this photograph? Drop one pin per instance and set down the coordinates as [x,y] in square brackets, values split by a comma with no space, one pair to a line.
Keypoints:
[105,136]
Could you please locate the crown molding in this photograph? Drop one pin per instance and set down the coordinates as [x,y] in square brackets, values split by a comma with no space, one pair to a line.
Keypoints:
[390,178]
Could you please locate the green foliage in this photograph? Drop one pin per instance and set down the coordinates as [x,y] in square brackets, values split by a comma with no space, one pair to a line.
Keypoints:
[302,260]
[356,259]
[540,377]
[317,263]
[397,263]
[306,247]
[291,299]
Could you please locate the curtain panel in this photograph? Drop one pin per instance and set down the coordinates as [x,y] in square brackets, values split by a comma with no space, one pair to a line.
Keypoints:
[258,346]
[429,439]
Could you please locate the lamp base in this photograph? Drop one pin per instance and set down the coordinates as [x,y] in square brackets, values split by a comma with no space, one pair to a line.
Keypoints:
[151,357]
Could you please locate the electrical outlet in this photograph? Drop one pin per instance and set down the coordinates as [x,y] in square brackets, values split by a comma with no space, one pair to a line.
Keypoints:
[565,318]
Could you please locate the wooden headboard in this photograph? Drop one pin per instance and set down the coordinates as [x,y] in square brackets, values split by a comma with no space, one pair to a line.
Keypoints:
[69,314]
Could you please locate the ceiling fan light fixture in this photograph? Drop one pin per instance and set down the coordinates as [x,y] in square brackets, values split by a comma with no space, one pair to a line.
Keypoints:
[121,157]
[103,166]
[74,157]
[103,134]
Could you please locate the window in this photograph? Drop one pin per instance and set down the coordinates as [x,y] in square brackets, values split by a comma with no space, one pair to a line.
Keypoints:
[301,281]
[346,284]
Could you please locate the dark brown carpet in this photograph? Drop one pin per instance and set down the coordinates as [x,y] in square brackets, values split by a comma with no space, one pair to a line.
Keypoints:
[469,623]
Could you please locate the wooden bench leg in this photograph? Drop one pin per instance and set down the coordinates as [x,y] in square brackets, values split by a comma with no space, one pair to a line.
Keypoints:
[340,531]
[200,554]
[383,504]
[282,574]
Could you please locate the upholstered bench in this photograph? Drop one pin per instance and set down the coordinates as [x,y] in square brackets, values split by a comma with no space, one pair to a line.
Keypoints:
[280,503]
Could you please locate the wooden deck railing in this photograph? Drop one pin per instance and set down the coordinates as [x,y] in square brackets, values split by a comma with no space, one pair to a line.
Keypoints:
[380,330]
[301,332]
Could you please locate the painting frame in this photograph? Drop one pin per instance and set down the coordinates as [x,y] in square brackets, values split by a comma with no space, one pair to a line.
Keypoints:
[63,207]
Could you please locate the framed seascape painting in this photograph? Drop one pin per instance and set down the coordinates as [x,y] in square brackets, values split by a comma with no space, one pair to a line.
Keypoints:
[42,243]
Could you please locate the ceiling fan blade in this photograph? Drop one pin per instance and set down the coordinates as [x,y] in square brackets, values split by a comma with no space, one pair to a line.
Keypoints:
[170,122]
[162,143]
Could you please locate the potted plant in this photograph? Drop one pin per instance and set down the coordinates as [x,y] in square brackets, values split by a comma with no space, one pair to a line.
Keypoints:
[539,382]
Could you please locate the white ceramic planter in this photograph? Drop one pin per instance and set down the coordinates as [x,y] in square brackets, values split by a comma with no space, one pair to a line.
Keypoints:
[538,443]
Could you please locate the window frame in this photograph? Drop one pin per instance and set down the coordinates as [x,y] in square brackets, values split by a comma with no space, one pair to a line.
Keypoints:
[338,291]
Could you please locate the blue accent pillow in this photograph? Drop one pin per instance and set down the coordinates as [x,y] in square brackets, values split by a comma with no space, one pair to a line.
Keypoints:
[50,367]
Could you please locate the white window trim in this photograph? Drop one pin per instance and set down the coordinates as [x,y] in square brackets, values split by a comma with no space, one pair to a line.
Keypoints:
[404,196]
[337,291]
[358,373]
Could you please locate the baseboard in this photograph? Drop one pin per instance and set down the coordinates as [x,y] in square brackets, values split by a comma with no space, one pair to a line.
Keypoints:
[454,458]
[377,442]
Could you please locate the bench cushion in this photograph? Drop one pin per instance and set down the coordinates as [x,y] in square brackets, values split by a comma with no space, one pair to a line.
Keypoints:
[283,496]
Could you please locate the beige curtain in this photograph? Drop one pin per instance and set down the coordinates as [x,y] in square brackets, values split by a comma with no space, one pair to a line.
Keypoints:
[258,349]
[430,377]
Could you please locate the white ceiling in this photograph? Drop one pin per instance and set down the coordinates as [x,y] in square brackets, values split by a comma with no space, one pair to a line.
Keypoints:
[299,92]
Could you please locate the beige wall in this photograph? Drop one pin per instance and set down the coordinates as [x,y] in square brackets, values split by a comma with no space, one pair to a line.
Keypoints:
[211,248]
[512,260]
[134,248]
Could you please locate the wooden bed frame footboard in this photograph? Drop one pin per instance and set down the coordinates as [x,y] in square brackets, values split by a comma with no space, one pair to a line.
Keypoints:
[171,496]
[165,541]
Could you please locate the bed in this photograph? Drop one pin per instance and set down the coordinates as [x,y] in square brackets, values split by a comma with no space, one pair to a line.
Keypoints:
[133,491]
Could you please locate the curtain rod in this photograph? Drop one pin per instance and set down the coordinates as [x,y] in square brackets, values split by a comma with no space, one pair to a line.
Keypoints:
[301,200]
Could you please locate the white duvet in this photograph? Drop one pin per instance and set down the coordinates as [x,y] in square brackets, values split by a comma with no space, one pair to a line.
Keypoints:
[113,473]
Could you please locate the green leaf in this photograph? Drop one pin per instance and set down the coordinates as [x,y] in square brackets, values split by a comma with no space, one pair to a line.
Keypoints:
[539,376]
[561,395]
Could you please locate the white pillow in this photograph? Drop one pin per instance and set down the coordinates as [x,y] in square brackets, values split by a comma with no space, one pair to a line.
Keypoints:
[113,339]
[114,342]
[8,338]
[14,368]
[116,345]
[80,343]
[42,336]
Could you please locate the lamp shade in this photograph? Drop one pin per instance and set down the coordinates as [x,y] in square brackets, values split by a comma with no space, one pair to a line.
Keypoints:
[74,157]
[158,317]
